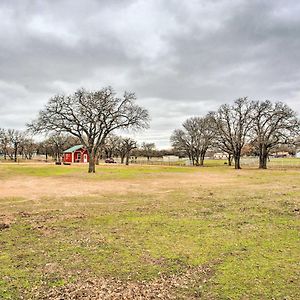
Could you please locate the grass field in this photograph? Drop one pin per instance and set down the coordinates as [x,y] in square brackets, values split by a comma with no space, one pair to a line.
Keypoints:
[149,232]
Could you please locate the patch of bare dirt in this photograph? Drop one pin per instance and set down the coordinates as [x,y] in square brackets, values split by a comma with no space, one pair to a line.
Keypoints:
[4,226]
[6,221]
[33,188]
[172,287]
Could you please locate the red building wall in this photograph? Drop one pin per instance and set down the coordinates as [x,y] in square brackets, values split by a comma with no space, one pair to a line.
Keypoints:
[68,157]
[79,156]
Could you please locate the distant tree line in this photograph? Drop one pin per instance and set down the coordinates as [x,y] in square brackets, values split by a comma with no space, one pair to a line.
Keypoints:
[14,143]
[125,147]
[262,126]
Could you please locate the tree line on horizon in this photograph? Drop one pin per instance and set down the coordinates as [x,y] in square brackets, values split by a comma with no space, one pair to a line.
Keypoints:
[261,125]
[15,144]
[92,118]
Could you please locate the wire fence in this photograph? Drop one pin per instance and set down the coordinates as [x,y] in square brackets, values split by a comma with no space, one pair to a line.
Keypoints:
[153,162]
[281,163]
[247,162]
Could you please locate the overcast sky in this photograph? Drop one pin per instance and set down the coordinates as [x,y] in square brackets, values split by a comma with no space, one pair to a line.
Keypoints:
[182,58]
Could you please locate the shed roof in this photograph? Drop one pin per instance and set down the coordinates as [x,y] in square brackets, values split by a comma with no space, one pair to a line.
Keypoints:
[73,149]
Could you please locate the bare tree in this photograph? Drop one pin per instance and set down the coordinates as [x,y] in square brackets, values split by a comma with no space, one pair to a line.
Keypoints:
[14,143]
[195,138]
[44,148]
[274,124]
[181,141]
[57,143]
[201,131]
[15,138]
[148,149]
[124,147]
[4,142]
[111,146]
[129,144]
[232,124]
[91,116]
[27,147]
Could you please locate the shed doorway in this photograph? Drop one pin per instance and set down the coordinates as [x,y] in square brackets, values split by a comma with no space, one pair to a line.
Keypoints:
[85,160]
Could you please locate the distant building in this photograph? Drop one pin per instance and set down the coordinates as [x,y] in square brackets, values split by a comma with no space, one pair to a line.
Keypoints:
[221,155]
[76,154]
[281,154]
[168,158]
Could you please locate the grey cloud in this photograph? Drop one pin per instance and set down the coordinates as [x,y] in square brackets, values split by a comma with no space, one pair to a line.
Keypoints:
[181,57]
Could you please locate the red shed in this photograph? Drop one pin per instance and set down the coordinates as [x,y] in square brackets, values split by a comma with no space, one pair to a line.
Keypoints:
[76,154]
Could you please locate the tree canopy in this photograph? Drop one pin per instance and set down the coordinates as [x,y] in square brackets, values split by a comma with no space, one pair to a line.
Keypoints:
[91,116]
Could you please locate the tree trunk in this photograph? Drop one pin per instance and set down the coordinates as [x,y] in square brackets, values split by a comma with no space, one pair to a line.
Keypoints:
[127,160]
[16,152]
[229,160]
[122,158]
[202,157]
[263,158]
[92,165]
[193,159]
[237,162]
[201,161]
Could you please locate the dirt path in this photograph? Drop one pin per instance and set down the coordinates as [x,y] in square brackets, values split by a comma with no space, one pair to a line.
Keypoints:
[35,187]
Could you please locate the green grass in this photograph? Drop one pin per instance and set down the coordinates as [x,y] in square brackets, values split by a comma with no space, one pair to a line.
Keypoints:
[103,171]
[244,224]
[40,170]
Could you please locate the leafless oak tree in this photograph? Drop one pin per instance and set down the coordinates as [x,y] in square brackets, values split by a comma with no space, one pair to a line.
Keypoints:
[15,138]
[232,124]
[14,143]
[195,138]
[181,141]
[111,146]
[4,143]
[123,147]
[57,143]
[147,149]
[91,116]
[27,147]
[273,124]
[128,144]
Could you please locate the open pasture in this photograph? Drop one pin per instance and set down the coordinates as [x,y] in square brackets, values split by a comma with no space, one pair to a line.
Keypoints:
[154,232]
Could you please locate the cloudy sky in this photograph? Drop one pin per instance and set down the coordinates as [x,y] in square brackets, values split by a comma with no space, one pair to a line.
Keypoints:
[182,58]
